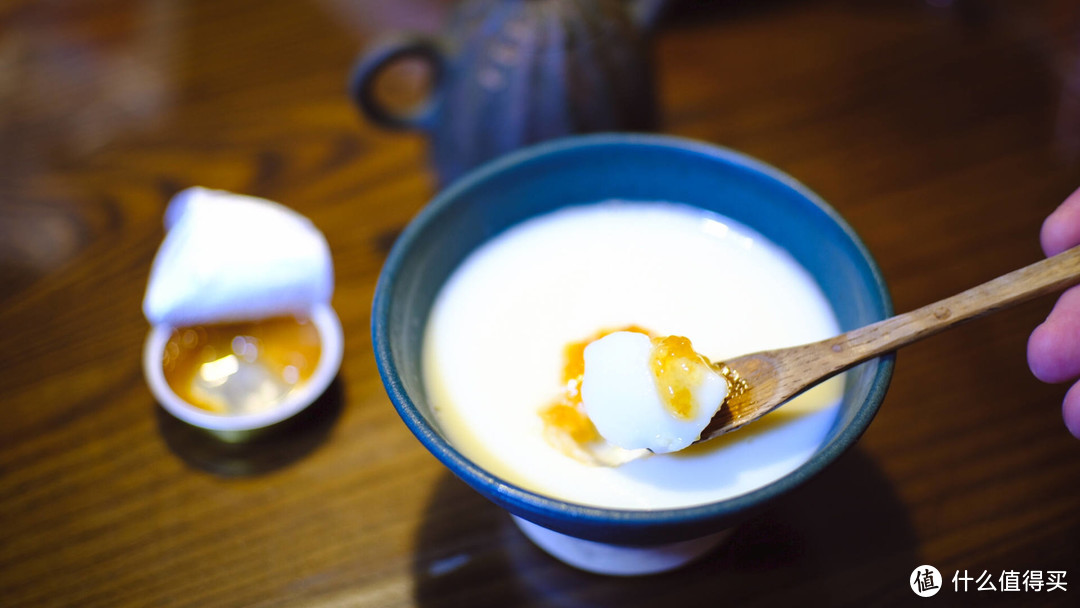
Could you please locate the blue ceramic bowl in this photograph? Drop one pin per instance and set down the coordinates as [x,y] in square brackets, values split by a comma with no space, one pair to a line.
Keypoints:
[581,170]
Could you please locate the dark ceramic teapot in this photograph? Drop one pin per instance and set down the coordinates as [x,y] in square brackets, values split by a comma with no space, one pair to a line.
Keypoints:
[510,73]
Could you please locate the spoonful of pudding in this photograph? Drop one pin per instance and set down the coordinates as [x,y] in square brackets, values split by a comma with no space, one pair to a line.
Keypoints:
[647,394]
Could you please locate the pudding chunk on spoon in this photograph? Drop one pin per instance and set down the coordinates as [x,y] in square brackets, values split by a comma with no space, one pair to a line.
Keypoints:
[652,393]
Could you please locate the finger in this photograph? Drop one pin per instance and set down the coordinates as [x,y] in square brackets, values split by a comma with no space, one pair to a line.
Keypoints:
[1070,410]
[1061,230]
[1054,347]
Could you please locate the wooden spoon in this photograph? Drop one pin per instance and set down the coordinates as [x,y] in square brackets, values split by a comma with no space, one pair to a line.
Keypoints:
[762,382]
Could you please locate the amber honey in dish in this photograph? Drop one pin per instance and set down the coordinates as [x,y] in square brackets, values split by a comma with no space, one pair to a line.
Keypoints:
[243,367]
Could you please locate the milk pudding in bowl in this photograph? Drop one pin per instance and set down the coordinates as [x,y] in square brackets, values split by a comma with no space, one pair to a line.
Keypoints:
[497,296]
[495,348]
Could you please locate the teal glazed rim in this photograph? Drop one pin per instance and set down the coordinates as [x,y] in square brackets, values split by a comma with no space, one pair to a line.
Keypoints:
[580,170]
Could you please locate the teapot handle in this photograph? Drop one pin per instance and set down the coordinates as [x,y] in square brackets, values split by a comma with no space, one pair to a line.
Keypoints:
[366,72]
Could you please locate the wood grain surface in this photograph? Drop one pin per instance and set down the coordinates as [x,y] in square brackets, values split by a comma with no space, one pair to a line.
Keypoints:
[943,131]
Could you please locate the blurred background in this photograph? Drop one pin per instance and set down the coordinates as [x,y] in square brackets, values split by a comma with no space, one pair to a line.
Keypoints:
[943,130]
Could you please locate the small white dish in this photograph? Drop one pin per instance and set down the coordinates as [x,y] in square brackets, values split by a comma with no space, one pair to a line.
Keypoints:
[237,427]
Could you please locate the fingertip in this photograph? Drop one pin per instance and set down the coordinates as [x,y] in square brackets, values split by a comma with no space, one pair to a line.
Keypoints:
[1061,229]
[1042,351]
[1070,410]
[1054,235]
[1053,349]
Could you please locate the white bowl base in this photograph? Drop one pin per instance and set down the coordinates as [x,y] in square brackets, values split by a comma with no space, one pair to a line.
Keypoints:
[618,560]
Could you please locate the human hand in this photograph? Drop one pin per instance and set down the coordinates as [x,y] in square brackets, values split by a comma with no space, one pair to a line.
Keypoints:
[1053,350]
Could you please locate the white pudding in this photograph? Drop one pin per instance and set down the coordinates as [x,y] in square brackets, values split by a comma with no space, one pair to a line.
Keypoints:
[497,336]
[649,393]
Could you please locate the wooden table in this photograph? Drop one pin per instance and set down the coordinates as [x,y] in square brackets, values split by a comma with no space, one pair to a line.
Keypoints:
[944,131]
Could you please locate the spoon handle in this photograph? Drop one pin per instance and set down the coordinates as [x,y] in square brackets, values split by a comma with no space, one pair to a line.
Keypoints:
[1041,278]
[765,380]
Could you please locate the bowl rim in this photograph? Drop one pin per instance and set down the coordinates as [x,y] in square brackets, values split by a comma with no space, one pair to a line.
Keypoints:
[541,508]
[331,344]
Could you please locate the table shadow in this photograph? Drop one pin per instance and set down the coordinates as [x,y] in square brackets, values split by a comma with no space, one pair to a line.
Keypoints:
[847,521]
[269,449]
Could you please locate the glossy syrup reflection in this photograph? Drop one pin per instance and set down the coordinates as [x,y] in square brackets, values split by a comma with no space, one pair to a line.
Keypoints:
[241,368]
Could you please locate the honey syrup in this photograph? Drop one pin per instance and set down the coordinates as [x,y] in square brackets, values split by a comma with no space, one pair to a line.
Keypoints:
[243,367]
